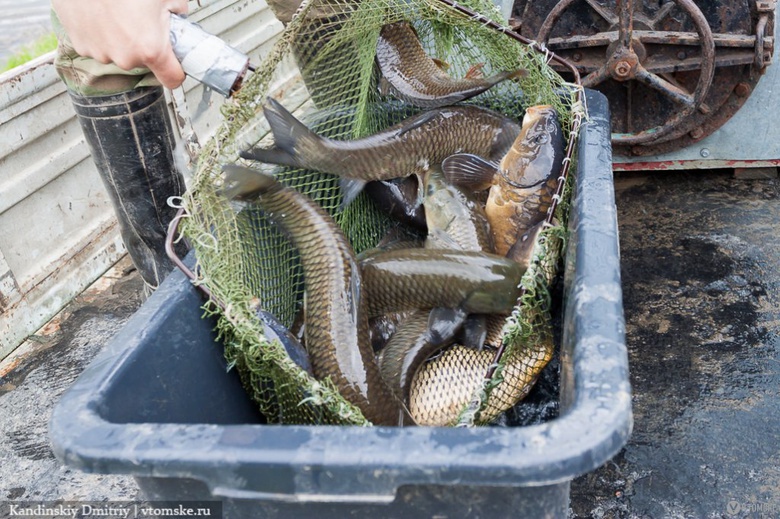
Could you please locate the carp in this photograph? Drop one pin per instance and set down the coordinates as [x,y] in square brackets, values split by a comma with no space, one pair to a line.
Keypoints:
[410,147]
[409,74]
[336,322]
[522,185]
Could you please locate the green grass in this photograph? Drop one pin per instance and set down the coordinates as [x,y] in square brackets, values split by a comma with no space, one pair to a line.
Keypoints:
[44,44]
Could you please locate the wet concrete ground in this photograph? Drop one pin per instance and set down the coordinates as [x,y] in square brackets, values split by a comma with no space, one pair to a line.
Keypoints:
[701,281]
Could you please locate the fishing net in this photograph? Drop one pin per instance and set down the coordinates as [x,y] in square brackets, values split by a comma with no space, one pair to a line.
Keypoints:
[323,68]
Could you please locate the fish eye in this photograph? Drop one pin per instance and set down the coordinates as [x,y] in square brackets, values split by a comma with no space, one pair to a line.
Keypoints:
[542,138]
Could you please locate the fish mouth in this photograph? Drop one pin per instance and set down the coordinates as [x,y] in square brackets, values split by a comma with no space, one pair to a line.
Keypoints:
[518,185]
[533,113]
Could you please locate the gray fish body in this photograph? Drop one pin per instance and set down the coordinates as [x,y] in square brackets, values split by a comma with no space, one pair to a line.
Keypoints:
[336,328]
[274,330]
[455,219]
[407,279]
[408,148]
[417,79]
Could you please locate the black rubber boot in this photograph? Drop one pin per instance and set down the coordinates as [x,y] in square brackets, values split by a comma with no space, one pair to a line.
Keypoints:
[131,140]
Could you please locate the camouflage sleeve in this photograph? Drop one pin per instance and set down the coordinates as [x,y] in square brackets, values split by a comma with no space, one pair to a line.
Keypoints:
[88,77]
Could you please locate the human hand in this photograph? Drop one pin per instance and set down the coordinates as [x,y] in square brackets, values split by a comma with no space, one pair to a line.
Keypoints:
[129,34]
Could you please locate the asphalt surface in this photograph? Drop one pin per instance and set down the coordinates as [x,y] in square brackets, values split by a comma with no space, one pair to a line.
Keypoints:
[700,265]
[701,281]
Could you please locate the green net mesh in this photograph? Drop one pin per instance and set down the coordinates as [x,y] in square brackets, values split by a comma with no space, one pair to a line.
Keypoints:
[323,67]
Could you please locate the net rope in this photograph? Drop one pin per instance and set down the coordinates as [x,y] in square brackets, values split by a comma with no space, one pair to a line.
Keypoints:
[324,63]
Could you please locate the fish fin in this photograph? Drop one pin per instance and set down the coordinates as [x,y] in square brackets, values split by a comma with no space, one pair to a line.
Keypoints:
[422,120]
[242,183]
[443,65]
[271,155]
[273,330]
[350,189]
[291,138]
[384,87]
[518,74]
[522,250]
[444,323]
[474,331]
[475,72]
[442,240]
[469,171]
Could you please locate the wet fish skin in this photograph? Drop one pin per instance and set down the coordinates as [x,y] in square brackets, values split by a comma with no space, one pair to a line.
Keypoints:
[455,219]
[406,350]
[523,190]
[443,386]
[336,329]
[274,330]
[411,346]
[407,279]
[407,148]
[522,250]
[419,80]
[400,199]
[383,327]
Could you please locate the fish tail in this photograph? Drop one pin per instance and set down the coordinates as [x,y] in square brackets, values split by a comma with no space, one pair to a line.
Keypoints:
[514,74]
[293,141]
[242,183]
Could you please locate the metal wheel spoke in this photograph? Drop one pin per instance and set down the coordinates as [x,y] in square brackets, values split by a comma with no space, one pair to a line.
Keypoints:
[626,14]
[602,11]
[596,77]
[663,86]
[661,14]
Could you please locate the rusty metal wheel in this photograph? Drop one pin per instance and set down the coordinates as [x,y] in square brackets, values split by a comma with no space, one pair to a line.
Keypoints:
[674,70]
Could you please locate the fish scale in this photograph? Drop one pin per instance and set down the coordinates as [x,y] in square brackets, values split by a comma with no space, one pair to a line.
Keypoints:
[414,77]
[523,189]
[442,387]
[407,279]
[336,331]
[408,148]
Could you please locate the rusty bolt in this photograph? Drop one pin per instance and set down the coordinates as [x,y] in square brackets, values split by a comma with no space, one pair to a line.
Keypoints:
[577,56]
[681,55]
[705,108]
[623,69]
[742,89]
[696,133]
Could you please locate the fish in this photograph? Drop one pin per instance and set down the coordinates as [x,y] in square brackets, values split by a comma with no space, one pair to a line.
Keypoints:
[438,381]
[522,185]
[407,279]
[336,328]
[407,148]
[455,221]
[523,248]
[399,198]
[454,218]
[383,327]
[407,348]
[274,330]
[444,385]
[409,74]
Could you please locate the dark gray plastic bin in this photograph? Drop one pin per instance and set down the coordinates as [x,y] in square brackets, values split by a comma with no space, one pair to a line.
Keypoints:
[158,404]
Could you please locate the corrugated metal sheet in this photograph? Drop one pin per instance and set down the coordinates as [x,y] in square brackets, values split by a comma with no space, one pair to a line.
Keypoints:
[58,232]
